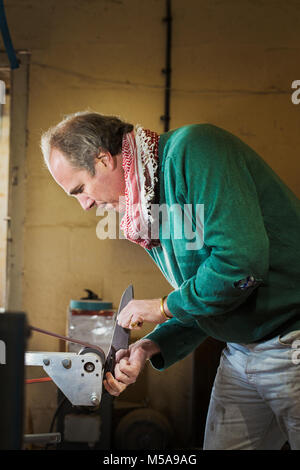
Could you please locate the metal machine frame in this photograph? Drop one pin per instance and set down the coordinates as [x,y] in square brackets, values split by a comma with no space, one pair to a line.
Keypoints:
[79,376]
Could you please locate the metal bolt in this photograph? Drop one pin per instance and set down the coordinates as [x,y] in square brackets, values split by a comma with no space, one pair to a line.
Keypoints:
[46,362]
[94,399]
[89,367]
[66,363]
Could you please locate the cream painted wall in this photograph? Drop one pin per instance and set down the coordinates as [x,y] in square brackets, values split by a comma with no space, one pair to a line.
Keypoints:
[233,65]
[4,152]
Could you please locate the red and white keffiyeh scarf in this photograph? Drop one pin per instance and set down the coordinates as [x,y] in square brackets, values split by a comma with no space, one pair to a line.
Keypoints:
[140,164]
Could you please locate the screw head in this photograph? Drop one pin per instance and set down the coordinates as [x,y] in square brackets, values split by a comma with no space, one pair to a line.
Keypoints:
[46,362]
[66,363]
[94,400]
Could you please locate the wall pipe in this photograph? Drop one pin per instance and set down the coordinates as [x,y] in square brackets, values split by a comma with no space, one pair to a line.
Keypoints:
[167,70]
[14,63]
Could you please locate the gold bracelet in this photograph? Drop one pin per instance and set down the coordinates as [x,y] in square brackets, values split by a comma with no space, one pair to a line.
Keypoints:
[162,308]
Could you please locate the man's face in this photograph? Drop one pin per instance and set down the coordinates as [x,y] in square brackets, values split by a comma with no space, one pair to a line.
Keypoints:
[101,190]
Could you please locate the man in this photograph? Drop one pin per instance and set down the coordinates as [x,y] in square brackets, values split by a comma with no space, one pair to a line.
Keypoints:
[238,281]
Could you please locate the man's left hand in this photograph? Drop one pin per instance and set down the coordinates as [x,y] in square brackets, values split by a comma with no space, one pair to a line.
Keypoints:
[137,312]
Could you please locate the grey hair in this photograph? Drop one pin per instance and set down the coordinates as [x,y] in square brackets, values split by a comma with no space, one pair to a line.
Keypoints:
[80,137]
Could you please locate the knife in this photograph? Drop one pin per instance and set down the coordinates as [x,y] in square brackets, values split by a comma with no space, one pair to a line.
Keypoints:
[120,337]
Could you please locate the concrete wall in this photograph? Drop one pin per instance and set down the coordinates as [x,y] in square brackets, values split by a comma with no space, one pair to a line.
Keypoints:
[233,65]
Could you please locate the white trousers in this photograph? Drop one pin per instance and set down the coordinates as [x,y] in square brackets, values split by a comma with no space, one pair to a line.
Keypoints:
[255,400]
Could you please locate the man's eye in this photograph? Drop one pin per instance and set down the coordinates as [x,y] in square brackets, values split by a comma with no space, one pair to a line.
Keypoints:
[79,190]
[76,191]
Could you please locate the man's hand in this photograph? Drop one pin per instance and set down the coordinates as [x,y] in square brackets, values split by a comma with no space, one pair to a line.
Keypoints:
[130,363]
[137,312]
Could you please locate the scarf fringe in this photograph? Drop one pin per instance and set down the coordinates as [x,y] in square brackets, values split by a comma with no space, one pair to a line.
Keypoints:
[146,152]
[140,164]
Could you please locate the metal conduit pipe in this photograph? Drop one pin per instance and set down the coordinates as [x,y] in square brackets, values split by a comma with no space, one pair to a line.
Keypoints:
[167,70]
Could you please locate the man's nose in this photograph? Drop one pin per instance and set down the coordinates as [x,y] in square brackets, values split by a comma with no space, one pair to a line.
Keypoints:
[85,201]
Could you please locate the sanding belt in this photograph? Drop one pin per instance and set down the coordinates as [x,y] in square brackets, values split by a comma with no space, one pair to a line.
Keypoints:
[120,336]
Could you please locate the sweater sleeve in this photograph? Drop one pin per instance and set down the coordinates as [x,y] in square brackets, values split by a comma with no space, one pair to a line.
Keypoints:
[175,341]
[210,167]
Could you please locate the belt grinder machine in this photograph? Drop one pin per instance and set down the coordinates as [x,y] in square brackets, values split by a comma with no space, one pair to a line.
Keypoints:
[78,376]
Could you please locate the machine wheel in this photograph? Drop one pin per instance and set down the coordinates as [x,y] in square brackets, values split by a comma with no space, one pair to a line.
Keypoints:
[143,429]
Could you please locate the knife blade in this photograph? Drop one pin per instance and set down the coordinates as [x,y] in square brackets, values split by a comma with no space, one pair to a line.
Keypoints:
[120,337]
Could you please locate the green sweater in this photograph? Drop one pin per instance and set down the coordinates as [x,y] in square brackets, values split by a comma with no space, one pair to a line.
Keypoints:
[251,224]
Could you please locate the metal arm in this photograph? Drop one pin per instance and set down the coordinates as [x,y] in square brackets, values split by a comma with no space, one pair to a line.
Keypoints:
[78,376]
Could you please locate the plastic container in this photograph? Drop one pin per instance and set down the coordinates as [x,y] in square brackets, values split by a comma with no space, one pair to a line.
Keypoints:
[91,320]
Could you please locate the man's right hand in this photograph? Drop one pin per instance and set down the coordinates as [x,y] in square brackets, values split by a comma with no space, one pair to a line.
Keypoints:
[129,364]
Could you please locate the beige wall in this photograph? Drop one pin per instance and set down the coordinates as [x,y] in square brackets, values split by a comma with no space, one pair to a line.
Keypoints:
[4,152]
[233,65]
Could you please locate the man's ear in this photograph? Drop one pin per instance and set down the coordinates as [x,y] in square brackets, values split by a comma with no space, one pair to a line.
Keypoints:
[105,158]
